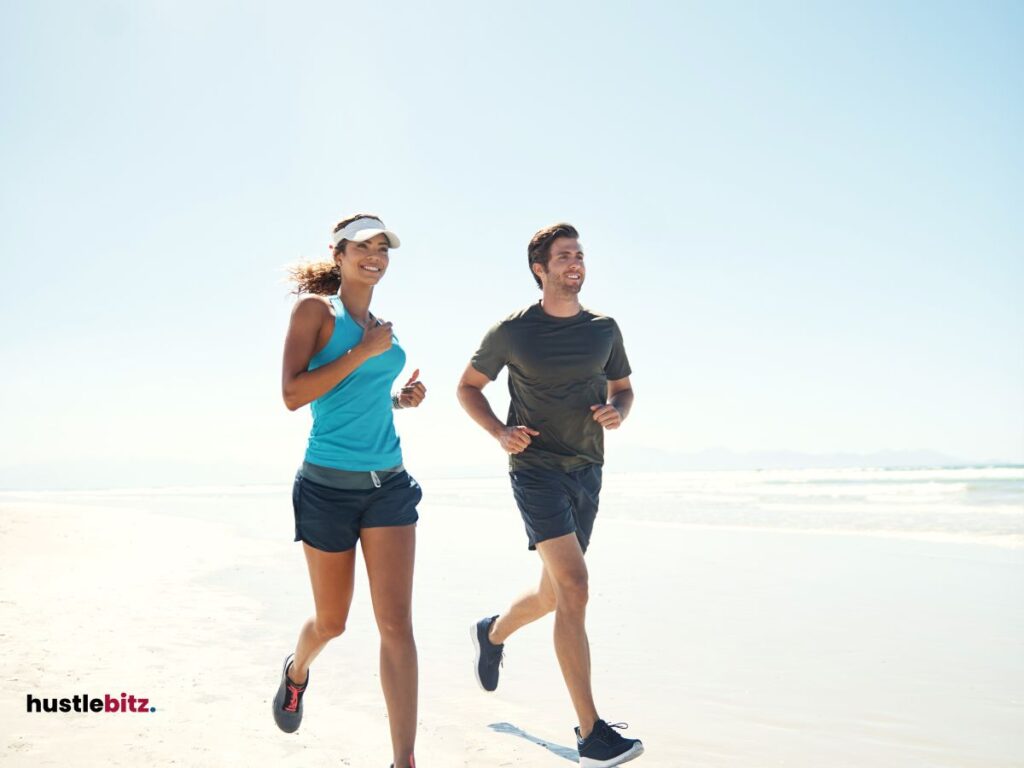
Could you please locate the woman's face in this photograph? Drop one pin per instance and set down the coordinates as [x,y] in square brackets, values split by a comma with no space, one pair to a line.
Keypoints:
[364,262]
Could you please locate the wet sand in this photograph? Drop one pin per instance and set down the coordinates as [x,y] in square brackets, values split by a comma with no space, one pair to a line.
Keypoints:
[720,647]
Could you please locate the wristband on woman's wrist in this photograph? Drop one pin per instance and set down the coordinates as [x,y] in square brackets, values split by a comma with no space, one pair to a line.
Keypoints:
[396,403]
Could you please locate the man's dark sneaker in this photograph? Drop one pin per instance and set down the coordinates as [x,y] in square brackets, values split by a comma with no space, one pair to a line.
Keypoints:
[605,747]
[488,655]
[288,701]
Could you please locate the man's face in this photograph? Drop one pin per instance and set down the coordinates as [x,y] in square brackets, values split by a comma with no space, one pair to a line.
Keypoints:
[565,271]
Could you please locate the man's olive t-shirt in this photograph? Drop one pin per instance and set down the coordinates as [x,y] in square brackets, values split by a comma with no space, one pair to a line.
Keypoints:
[557,368]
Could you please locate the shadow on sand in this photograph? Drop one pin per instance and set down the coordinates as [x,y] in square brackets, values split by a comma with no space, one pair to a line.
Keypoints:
[556,749]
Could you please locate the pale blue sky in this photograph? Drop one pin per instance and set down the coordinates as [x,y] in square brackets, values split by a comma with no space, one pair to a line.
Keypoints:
[805,217]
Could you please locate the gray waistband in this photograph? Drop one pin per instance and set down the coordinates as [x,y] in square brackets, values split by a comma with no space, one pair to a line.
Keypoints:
[346,480]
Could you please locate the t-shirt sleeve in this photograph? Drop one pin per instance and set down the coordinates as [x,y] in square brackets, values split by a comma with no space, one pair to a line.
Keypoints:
[492,355]
[617,366]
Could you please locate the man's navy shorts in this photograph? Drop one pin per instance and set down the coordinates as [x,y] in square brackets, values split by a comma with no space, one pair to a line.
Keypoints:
[330,519]
[554,503]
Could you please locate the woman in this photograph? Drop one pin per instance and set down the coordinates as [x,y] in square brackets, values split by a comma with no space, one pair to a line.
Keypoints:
[352,486]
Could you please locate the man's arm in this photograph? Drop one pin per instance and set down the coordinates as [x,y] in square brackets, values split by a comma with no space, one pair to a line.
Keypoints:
[620,400]
[470,393]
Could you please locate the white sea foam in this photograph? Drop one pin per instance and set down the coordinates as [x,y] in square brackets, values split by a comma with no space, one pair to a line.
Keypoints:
[964,504]
[978,504]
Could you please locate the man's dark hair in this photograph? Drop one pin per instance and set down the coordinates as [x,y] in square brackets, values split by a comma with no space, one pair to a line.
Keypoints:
[539,250]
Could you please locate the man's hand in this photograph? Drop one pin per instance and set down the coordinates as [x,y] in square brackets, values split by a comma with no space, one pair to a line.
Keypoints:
[412,392]
[516,439]
[607,416]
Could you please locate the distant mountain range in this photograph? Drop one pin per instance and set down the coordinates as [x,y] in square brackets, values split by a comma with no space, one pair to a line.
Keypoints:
[637,459]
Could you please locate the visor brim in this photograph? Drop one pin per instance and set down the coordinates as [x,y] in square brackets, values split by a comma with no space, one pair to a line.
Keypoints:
[365,234]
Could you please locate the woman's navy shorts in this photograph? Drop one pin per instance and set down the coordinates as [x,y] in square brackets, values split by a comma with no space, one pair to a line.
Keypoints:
[554,503]
[330,519]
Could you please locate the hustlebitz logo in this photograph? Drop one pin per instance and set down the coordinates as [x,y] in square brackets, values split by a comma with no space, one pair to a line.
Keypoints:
[125,704]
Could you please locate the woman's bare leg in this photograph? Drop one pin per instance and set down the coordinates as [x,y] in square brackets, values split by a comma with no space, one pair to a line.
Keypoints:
[390,553]
[332,575]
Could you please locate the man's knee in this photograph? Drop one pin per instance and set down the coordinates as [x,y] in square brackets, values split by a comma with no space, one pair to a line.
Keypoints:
[330,625]
[572,591]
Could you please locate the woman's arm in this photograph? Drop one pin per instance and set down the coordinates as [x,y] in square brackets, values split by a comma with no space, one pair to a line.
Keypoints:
[300,386]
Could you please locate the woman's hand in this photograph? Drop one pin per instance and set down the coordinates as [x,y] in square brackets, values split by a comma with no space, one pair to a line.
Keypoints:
[376,339]
[412,393]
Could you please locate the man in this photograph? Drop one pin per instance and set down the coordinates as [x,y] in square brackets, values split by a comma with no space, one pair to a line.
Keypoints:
[569,381]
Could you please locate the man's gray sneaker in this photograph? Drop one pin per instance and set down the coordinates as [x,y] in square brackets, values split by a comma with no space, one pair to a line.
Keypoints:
[604,747]
[488,655]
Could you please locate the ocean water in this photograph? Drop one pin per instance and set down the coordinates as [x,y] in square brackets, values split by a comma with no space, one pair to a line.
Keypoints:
[978,504]
[975,504]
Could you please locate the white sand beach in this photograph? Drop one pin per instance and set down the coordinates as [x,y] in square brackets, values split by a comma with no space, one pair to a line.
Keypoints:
[740,645]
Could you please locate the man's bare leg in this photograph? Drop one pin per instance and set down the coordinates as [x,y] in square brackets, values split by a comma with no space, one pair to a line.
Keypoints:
[567,571]
[526,609]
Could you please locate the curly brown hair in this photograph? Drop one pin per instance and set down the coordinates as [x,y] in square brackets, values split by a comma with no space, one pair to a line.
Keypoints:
[323,277]
[539,249]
